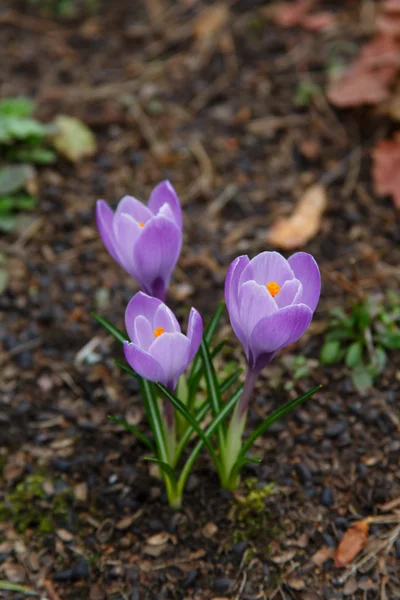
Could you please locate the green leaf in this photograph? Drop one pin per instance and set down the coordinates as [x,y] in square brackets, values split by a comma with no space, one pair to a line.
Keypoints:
[379,360]
[362,316]
[208,336]
[14,177]
[277,414]
[330,352]
[362,379]
[6,204]
[141,436]
[23,129]
[214,425]
[230,380]
[126,368]
[42,156]
[112,329]
[73,139]
[165,467]
[182,409]
[152,408]
[213,390]
[390,340]
[354,354]
[339,334]
[7,223]
[17,107]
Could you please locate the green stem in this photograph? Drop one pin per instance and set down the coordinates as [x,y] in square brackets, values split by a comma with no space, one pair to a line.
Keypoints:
[230,450]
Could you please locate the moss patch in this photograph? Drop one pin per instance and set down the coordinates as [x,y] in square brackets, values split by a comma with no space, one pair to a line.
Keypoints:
[252,518]
[29,506]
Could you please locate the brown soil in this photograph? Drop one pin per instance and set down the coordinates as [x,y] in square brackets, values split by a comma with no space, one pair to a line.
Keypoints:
[167,102]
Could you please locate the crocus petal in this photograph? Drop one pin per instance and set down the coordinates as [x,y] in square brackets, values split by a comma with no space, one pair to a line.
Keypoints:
[287,293]
[279,329]
[194,333]
[171,350]
[104,219]
[143,363]
[143,333]
[232,293]
[133,207]
[156,252]
[165,318]
[140,304]
[165,193]
[267,267]
[255,303]
[306,270]
[126,232]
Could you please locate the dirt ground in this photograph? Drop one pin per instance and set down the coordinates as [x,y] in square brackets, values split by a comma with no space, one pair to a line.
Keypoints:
[168,98]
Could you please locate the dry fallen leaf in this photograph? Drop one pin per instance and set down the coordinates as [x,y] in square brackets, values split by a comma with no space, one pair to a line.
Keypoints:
[295,231]
[319,21]
[210,22]
[386,168]
[368,78]
[388,20]
[352,543]
[290,14]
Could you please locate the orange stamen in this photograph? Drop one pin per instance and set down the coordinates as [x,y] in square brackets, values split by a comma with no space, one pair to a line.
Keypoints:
[159,331]
[273,288]
[140,224]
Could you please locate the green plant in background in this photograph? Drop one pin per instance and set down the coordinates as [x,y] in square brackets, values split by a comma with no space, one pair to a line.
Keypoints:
[22,137]
[362,337]
[65,8]
[25,141]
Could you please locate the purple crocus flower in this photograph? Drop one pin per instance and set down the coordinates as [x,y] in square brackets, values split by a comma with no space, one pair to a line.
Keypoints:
[144,240]
[158,350]
[271,302]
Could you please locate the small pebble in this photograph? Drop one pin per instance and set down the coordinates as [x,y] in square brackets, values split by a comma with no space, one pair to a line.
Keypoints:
[335,429]
[223,584]
[397,548]
[327,497]
[240,547]
[303,473]
[190,579]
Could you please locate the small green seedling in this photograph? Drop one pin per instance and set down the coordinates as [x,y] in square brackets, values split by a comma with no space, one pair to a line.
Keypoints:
[362,338]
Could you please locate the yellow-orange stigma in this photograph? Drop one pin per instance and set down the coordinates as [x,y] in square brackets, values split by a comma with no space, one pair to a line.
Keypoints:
[273,288]
[140,224]
[159,331]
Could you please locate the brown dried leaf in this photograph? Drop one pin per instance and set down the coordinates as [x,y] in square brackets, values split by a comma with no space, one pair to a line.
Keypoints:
[386,168]
[296,230]
[319,21]
[290,14]
[211,21]
[158,539]
[281,559]
[368,78]
[352,543]
[322,555]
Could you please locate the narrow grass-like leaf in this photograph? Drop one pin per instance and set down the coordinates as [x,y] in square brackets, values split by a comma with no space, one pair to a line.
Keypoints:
[141,436]
[230,380]
[112,329]
[183,410]
[167,469]
[126,368]
[154,417]
[208,336]
[277,414]
[214,394]
[228,406]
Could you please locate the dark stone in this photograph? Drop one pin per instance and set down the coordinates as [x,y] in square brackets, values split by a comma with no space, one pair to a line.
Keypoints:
[223,584]
[341,522]
[303,473]
[61,465]
[362,470]
[240,547]
[78,572]
[327,497]
[190,579]
[335,429]
[397,548]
